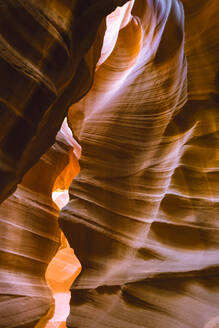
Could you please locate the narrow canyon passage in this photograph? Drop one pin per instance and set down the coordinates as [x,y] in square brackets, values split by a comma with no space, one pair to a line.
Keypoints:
[32,239]
[109,131]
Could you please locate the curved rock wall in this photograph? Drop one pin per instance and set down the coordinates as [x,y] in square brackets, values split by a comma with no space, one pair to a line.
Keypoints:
[30,237]
[143,212]
[48,53]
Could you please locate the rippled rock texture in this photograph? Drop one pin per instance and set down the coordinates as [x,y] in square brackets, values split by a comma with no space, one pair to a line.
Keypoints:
[143,211]
[48,53]
[30,238]
[143,214]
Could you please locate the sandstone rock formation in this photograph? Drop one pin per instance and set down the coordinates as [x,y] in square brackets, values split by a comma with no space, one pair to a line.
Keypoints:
[143,211]
[30,238]
[47,60]
[143,214]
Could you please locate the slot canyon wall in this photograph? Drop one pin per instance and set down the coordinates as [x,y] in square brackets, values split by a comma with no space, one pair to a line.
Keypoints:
[140,90]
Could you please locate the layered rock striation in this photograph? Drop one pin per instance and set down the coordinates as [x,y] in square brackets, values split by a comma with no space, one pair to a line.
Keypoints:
[48,53]
[30,238]
[143,212]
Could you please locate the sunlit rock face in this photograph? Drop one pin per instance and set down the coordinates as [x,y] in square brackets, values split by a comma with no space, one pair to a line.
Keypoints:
[30,238]
[143,212]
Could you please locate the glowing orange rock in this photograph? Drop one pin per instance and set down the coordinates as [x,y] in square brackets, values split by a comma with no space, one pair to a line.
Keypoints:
[61,273]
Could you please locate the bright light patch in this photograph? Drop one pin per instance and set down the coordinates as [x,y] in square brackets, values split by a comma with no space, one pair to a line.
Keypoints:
[60,197]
